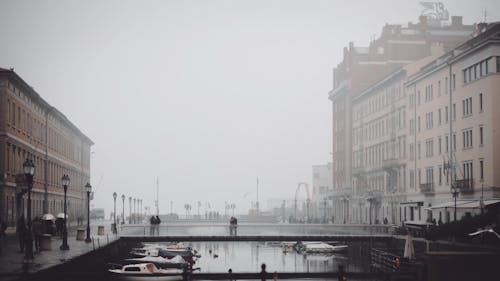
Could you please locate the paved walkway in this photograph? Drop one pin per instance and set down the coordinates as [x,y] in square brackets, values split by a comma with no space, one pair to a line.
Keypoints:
[11,258]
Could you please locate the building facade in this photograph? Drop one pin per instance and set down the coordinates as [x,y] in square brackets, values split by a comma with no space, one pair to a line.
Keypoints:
[455,140]
[321,191]
[361,68]
[30,128]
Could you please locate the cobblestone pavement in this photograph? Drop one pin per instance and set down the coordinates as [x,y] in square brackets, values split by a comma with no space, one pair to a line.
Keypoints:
[11,258]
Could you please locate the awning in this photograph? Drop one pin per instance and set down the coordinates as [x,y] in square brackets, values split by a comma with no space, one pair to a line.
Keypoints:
[449,204]
[464,204]
[477,204]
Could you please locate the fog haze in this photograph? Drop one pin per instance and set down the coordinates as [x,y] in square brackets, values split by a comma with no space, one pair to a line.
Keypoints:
[204,95]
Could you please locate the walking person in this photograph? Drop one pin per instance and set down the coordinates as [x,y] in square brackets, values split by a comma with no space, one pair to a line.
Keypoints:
[21,232]
[3,227]
[263,272]
[37,229]
[152,222]
[158,221]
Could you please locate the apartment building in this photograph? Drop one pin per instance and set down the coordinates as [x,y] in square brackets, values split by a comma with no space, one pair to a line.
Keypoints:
[362,67]
[454,133]
[30,128]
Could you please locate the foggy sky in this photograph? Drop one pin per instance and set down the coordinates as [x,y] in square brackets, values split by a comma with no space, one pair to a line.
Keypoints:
[205,95]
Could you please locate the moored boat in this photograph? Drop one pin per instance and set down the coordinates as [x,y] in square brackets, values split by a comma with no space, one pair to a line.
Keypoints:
[146,272]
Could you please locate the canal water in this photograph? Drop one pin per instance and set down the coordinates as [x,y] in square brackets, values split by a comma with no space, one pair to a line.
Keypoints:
[248,257]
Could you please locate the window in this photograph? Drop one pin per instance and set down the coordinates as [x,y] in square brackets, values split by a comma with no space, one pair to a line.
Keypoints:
[440,175]
[481,169]
[418,98]
[429,174]
[447,143]
[481,135]
[418,123]
[467,168]
[467,138]
[439,145]
[454,142]
[418,149]
[481,102]
[446,114]
[453,82]
[429,147]
[454,112]
[446,85]
[439,88]
[439,117]
[467,107]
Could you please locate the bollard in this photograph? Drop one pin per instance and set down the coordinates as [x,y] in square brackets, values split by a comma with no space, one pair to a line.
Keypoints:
[45,242]
[80,234]
[100,230]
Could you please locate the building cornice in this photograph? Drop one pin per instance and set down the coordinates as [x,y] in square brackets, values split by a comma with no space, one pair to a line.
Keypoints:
[14,77]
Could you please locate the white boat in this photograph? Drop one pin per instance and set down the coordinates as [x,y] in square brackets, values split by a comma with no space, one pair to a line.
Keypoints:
[145,271]
[320,247]
[161,262]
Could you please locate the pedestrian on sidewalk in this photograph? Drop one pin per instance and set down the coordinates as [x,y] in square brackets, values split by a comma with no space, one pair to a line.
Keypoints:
[263,272]
[21,232]
[37,229]
[3,227]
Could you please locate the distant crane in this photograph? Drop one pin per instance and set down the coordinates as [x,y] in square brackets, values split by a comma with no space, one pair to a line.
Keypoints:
[308,199]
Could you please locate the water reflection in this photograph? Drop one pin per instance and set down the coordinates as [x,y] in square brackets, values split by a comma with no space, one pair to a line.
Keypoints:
[248,256]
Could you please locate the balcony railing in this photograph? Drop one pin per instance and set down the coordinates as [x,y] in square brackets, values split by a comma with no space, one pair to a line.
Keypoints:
[465,186]
[427,187]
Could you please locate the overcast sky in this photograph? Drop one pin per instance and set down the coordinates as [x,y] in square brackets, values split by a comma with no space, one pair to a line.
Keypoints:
[205,95]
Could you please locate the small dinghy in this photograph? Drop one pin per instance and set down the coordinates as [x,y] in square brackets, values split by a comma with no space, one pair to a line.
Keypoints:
[146,272]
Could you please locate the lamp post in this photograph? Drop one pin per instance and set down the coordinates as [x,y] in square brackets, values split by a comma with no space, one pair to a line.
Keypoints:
[65,182]
[123,208]
[455,190]
[130,210]
[135,200]
[88,188]
[114,207]
[29,171]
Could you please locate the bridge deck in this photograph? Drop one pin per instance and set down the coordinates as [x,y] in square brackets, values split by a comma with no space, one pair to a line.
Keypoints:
[220,238]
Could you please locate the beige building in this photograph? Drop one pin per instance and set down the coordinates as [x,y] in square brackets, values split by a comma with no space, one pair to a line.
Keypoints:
[379,134]
[360,69]
[454,130]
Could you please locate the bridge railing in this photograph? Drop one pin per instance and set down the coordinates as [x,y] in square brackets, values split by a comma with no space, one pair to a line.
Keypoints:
[220,229]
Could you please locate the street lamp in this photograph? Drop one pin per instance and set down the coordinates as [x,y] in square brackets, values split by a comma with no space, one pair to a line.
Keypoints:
[65,182]
[455,190]
[114,212]
[135,212]
[130,210]
[123,208]
[29,171]
[88,188]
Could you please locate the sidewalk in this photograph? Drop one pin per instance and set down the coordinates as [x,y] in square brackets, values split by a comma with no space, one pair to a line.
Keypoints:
[11,258]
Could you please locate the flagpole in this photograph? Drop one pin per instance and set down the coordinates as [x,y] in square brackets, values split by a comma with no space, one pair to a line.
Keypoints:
[157,202]
[257,202]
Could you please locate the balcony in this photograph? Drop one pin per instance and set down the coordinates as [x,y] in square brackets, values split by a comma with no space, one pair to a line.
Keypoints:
[427,188]
[465,186]
[391,164]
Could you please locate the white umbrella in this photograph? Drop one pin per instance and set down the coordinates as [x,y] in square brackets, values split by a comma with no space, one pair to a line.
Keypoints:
[48,217]
[61,216]
[409,250]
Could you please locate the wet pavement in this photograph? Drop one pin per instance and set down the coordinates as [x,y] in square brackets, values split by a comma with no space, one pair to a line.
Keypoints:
[11,258]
